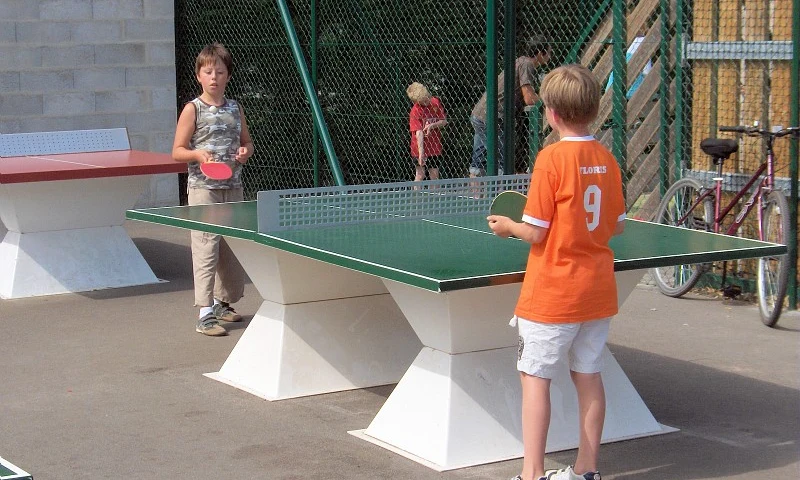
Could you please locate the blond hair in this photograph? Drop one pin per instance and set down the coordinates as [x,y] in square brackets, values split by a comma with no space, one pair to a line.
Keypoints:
[417,92]
[209,56]
[573,92]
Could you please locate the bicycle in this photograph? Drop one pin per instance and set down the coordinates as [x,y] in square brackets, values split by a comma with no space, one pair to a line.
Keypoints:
[689,204]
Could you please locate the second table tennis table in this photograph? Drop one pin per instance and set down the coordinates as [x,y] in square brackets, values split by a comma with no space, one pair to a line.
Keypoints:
[329,320]
[63,197]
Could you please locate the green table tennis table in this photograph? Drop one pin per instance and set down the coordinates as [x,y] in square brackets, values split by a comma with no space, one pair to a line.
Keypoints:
[9,471]
[424,302]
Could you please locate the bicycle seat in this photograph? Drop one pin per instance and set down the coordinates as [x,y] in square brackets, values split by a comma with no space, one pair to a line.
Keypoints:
[721,148]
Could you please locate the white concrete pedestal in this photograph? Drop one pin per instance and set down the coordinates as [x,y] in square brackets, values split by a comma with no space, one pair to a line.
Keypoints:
[320,329]
[64,261]
[459,403]
[67,236]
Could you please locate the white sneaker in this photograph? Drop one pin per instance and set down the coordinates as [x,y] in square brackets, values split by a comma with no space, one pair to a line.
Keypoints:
[569,474]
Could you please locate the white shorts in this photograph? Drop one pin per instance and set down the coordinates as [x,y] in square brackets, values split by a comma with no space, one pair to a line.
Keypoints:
[543,345]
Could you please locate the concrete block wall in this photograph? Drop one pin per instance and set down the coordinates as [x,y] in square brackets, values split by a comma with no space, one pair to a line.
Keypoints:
[84,64]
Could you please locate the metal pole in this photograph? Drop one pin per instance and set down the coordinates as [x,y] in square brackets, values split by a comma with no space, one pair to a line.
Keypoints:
[794,115]
[679,10]
[663,95]
[314,54]
[534,113]
[713,114]
[619,113]
[509,85]
[491,87]
[311,94]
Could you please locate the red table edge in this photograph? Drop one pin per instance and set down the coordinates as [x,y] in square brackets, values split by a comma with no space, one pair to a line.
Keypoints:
[165,165]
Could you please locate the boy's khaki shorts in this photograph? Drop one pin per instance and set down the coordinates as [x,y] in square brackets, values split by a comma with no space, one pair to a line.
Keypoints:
[542,346]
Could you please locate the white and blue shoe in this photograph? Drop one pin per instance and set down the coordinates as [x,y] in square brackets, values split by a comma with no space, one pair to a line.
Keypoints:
[569,474]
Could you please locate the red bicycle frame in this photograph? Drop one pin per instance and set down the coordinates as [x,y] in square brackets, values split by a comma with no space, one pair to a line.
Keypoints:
[765,184]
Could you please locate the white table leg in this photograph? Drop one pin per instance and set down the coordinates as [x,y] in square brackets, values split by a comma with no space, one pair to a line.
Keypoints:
[48,263]
[67,236]
[459,403]
[320,329]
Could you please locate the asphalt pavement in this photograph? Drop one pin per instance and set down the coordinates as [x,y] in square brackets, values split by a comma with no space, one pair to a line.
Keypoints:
[109,385]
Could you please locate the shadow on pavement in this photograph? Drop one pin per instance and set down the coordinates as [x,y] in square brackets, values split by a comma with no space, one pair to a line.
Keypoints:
[729,424]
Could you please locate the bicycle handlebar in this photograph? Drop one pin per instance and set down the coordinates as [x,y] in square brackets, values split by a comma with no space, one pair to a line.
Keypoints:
[759,132]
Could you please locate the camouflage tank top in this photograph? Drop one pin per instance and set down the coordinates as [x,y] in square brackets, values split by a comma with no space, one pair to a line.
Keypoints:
[219,132]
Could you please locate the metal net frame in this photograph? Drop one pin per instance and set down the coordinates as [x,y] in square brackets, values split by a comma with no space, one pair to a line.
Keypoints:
[293,209]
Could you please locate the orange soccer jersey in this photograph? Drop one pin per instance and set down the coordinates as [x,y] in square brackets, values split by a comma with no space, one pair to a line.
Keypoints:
[576,193]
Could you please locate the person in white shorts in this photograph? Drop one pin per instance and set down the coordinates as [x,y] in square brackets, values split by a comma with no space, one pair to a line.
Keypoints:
[575,205]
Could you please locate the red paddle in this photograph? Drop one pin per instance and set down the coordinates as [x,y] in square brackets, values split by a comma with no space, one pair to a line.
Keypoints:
[216,170]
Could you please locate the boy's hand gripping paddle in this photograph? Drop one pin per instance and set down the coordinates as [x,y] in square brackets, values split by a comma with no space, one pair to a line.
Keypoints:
[509,204]
[216,170]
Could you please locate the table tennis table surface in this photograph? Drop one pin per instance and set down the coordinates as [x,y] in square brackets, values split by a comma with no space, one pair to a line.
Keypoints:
[71,166]
[448,253]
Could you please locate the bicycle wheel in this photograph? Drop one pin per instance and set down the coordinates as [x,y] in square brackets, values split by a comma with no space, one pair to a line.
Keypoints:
[773,272]
[676,280]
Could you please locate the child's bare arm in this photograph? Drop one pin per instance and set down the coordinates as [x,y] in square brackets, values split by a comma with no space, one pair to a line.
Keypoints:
[437,124]
[421,146]
[529,96]
[505,227]
[181,147]
[246,148]
[619,228]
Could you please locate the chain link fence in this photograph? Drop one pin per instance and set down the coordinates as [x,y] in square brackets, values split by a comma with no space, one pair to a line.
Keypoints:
[737,72]
[362,55]
[690,66]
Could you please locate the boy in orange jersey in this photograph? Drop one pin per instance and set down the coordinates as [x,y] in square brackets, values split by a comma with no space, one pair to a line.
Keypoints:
[575,205]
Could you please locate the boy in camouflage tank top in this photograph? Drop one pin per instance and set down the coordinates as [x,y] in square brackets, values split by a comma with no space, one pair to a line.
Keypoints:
[213,128]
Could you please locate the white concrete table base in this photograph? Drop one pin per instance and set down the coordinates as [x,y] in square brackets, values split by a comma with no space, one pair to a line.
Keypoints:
[320,329]
[459,403]
[67,236]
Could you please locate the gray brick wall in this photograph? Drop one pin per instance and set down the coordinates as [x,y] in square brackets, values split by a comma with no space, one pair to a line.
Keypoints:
[83,64]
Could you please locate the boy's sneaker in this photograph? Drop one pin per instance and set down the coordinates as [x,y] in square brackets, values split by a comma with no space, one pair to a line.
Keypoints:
[569,474]
[519,477]
[223,311]
[208,325]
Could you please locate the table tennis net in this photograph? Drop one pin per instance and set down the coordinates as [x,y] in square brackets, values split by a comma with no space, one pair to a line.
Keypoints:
[294,209]
[66,141]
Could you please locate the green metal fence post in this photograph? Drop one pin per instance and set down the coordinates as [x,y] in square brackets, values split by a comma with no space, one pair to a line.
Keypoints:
[663,96]
[619,113]
[714,83]
[314,59]
[509,100]
[491,87]
[534,113]
[311,94]
[679,11]
[793,153]
[400,106]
